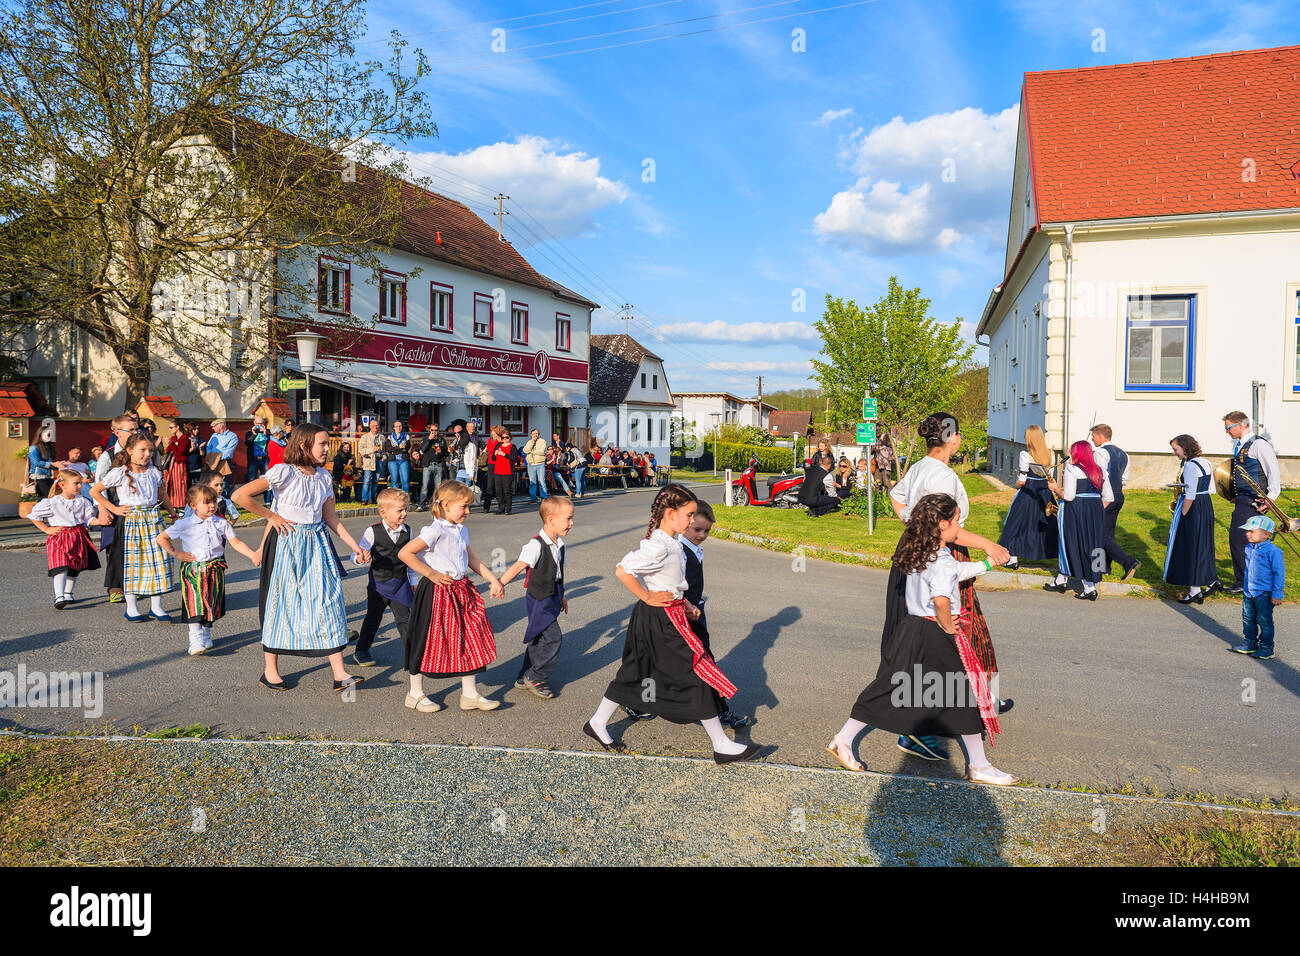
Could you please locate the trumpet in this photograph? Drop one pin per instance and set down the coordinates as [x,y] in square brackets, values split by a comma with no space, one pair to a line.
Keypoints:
[1284,521]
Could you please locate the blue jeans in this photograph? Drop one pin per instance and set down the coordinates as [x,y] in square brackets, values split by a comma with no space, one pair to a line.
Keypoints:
[578,474]
[399,475]
[432,479]
[369,483]
[1257,620]
[536,478]
[256,469]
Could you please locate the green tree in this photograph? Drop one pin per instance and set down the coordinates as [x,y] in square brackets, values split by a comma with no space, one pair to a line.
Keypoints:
[152,149]
[894,350]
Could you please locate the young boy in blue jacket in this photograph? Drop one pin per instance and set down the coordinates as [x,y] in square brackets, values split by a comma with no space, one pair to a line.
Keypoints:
[1263,582]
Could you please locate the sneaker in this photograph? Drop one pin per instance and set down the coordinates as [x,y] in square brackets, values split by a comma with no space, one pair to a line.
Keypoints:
[1234,589]
[363,659]
[1263,655]
[1244,648]
[734,720]
[116,596]
[925,747]
[197,649]
[638,714]
[538,689]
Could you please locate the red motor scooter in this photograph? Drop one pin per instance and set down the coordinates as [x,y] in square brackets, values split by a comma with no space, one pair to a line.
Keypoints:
[782,490]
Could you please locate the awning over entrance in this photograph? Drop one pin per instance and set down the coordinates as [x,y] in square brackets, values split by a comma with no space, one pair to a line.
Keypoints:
[569,395]
[389,384]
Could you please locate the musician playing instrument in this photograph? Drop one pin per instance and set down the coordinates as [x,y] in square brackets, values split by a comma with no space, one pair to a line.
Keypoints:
[1029,529]
[1189,554]
[1113,460]
[1254,456]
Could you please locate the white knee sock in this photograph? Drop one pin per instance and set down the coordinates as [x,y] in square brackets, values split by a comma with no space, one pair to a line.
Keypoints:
[721,742]
[155,604]
[68,586]
[60,583]
[468,687]
[417,685]
[1194,591]
[849,732]
[600,719]
[1061,579]
[975,750]
[132,606]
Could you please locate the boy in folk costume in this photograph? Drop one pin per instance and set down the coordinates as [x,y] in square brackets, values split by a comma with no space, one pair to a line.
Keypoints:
[388,585]
[543,559]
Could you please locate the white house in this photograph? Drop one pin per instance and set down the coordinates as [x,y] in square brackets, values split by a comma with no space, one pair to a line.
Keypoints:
[631,403]
[1152,268]
[698,409]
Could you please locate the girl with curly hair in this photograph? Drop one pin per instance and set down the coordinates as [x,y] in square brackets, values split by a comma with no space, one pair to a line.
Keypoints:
[666,669]
[930,680]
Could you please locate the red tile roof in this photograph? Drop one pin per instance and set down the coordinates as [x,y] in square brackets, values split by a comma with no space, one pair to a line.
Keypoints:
[789,422]
[22,400]
[276,406]
[163,406]
[1168,137]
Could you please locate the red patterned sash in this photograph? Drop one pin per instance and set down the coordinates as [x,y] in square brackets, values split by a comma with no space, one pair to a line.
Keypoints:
[975,673]
[703,665]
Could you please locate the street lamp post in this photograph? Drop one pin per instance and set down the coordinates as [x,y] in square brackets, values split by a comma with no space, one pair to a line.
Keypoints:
[307,345]
[716,416]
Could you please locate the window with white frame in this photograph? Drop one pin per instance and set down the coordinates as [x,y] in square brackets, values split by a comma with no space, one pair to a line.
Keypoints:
[662,429]
[634,430]
[654,383]
[563,332]
[440,305]
[518,323]
[1160,337]
[482,316]
[334,293]
[392,298]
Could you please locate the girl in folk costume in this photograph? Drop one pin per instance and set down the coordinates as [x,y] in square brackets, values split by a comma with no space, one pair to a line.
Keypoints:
[448,634]
[1084,492]
[927,476]
[1189,555]
[176,466]
[930,645]
[1028,531]
[202,535]
[300,601]
[63,517]
[225,507]
[141,501]
[665,668]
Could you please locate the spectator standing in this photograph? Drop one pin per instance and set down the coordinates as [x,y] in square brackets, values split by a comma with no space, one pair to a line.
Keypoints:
[176,470]
[368,449]
[221,451]
[397,453]
[501,461]
[342,473]
[41,463]
[194,458]
[432,459]
[578,465]
[535,456]
[255,453]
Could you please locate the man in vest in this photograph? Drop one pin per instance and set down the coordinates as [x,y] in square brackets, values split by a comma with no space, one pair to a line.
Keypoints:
[1255,458]
[1113,461]
[389,585]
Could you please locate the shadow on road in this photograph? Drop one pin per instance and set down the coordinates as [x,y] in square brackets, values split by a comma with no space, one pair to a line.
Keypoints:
[908,825]
[1285,674]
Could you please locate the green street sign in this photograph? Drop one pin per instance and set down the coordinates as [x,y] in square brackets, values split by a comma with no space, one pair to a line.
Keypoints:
[289,384]
[868,408]
[867,433]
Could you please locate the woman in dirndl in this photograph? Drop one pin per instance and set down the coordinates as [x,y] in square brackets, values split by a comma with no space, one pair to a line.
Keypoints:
[448,634]
[1084,492]
[1028,531]
[933,475]
[141,503]
[176,466]
[1189,554]
[300,599]
[666,669]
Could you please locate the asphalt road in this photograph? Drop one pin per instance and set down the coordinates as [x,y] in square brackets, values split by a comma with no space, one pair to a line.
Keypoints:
[1126,691]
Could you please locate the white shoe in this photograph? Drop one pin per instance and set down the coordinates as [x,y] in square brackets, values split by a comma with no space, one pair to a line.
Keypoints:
[991,775]
[478,703]
[425,705]
[197,649]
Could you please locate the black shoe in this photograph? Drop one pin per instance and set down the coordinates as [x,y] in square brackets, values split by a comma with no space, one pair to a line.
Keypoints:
[614,745]
[638,714]
[1190,598]
[363,659]
[353,637]
[266,683]
[1056,588]
[1233,589]
[1132,570]
[1004,706]
[735,758]
[734,720]
[1212,587]
[345,684]
[1087,596]
[1011,566]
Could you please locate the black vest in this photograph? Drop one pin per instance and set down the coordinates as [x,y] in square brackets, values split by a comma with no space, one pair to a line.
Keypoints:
[694,577]
[1115,470]
[1251,466]
[384,562]
[541,578]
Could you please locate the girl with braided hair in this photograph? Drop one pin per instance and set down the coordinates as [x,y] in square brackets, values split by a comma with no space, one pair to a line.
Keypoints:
[666,669]
[931,680]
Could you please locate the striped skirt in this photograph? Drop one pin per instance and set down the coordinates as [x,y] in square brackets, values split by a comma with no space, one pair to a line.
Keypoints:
[146,568]
[203,591]
[70,551]
[300,599]
[178,484]
[448,634]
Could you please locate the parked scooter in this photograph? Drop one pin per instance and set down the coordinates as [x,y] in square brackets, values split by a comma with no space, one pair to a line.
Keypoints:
[782,490]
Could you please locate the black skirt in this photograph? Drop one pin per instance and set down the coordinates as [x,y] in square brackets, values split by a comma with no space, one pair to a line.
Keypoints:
[264,587]
[1028,532]
[1189,553]
[115,559]
[1082,543]
[920,687]
[657,674]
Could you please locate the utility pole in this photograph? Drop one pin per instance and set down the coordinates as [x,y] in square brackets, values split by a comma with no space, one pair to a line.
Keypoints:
[499,213]
[626,312]
[760,402]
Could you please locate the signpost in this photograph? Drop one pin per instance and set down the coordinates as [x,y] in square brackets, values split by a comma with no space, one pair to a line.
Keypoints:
[867,438]
[868,408]
[290,384]
[866,433]
[311,405]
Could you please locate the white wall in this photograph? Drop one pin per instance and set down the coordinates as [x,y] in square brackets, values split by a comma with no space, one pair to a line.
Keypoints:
[1018,354]
[650,368]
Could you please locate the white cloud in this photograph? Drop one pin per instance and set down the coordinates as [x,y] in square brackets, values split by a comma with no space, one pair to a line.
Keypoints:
[926,184]
[830,116]
[775,367]
[757,333]
[560,187]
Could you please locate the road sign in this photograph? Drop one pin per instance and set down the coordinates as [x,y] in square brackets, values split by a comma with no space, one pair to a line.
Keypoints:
[866,433]
[311,404]
[289,384]
[868,408]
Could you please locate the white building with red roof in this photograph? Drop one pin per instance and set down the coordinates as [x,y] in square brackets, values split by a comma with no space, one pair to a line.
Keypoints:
[1153,251]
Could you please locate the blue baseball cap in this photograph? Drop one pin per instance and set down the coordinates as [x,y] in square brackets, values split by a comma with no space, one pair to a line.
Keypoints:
[1259,523]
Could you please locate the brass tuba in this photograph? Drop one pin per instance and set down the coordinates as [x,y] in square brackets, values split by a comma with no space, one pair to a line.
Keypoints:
[1052,507]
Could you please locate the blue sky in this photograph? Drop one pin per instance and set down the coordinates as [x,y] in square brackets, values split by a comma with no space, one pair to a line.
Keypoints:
[707,179]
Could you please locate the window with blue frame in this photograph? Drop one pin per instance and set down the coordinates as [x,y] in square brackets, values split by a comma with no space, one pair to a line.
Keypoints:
[1295,322]
[1159,345]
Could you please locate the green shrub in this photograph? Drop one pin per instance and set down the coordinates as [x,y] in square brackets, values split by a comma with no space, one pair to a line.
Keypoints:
[736,457]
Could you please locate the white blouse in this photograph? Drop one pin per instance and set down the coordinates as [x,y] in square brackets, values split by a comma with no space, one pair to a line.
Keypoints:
[60,512]
[938,579]
[446,549]
[658,563]
[146,485]
[299,497]
[1192,475]
[930,476]
[1072,476]
[205,539]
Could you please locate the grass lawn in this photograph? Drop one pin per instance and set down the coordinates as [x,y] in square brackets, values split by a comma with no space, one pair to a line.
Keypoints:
[1143,530]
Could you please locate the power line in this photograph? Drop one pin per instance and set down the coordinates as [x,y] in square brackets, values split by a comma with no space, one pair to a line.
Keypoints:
[553,23]
[489,23]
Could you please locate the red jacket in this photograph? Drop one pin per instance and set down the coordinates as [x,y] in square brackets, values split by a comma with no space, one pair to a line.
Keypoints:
[499,456]
[274,453]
